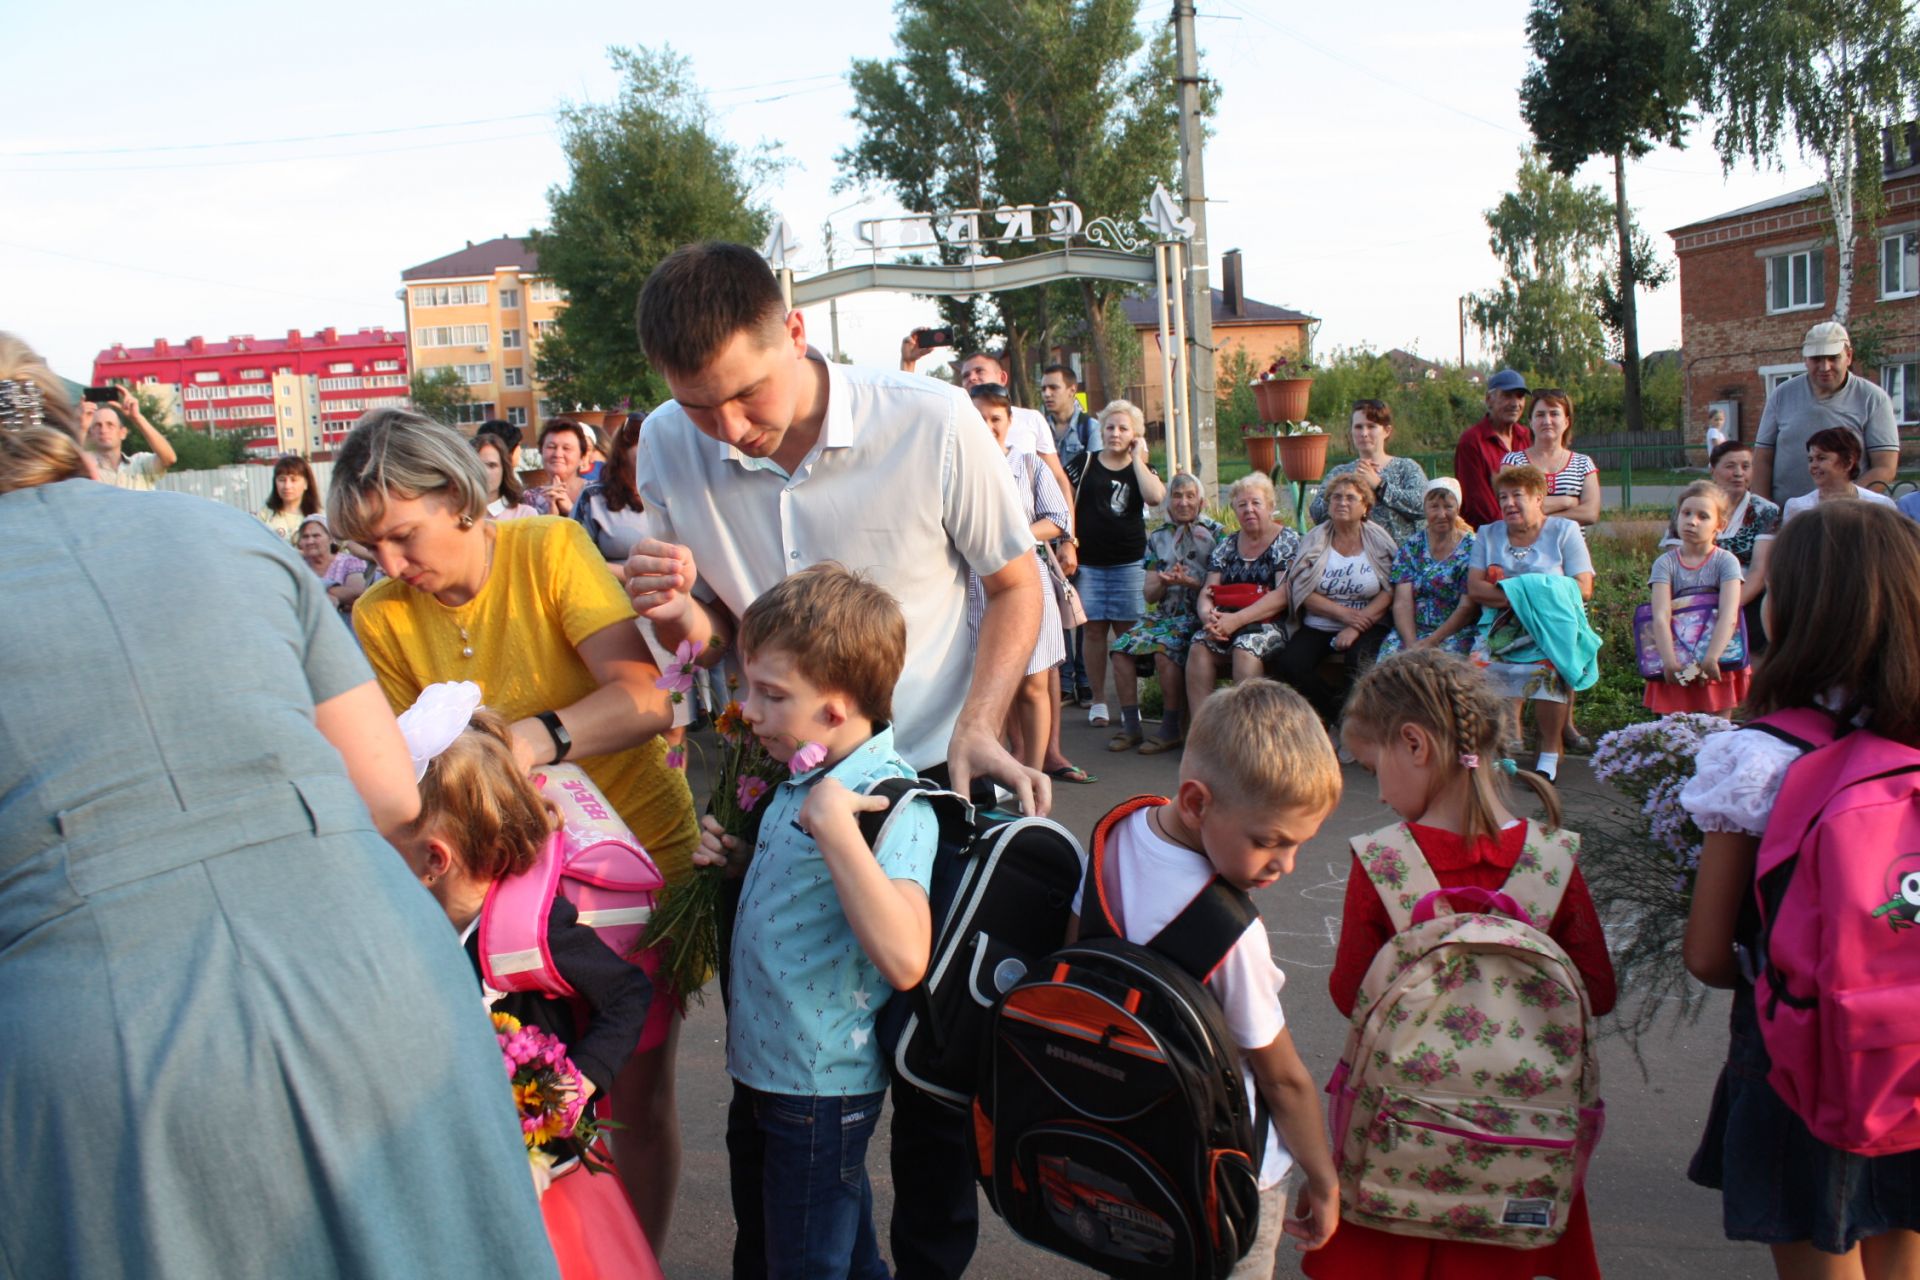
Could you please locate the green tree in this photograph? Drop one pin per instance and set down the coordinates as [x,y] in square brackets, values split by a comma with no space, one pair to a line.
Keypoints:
[649,172]
[1612,78]
[439,393]
[1064,98]
[1551,238]
[1830,72]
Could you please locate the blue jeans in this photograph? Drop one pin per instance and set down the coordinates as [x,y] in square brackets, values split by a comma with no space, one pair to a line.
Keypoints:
[815,1201]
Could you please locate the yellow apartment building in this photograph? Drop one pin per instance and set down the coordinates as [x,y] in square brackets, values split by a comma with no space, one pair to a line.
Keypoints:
[481,311]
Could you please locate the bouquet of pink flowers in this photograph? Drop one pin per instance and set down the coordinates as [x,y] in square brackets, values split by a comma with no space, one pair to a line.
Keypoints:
[549,1091]
[686,922]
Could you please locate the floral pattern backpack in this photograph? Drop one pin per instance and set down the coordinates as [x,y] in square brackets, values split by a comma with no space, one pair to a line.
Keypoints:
[1467,1102]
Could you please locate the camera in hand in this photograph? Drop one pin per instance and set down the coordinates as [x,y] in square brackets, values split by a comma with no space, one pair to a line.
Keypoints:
[931,338]
[102,395]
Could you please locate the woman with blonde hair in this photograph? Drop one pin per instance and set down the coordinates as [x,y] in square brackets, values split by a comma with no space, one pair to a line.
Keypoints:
[1242,606]
[527,610]
[1112,489]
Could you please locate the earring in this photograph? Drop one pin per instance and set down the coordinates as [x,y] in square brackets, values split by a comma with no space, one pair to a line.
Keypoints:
[428,880]
[466,522]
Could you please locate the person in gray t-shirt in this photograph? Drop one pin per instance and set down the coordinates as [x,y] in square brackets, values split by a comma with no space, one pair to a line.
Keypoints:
[1827,395]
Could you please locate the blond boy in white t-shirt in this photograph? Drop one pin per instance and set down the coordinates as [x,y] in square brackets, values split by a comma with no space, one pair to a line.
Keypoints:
[1258,778]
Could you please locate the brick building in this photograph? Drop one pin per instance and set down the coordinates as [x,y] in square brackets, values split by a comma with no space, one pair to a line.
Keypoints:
[1754,280]
[297,394]
[1261,329]
[479,311]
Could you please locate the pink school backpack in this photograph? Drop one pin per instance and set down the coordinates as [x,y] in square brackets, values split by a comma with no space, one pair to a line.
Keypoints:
[595,861]
[1838,882]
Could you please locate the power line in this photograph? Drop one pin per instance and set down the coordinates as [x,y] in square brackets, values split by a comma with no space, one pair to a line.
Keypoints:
[271,160]
[274,142]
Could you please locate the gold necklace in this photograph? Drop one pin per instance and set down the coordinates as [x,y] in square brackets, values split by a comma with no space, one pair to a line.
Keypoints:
[466,642]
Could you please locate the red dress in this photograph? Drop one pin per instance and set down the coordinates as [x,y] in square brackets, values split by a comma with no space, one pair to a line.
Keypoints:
[1363,1253]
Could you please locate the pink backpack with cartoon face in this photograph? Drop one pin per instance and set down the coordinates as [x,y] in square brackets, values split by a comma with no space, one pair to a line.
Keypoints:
[595,861]
[1838,881]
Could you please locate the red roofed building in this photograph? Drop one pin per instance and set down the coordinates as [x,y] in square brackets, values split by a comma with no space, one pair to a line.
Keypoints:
[297,394]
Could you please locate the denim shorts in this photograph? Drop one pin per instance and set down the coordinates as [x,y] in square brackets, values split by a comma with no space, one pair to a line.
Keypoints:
[1778,1183]
[1113,592]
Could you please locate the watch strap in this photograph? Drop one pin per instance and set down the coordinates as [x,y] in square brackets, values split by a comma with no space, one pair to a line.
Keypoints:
[562,740]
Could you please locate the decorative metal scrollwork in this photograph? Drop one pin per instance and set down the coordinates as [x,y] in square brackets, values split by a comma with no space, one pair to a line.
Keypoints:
[1109,234]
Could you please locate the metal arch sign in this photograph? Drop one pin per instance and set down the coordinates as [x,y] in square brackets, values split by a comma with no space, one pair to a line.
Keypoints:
[1059,220]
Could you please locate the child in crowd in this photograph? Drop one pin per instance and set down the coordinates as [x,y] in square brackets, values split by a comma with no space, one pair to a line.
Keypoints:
[1258,778]
[1693,681]
[1843,606]
[1034,707]
[481,823]
[1427,725]
[827,927]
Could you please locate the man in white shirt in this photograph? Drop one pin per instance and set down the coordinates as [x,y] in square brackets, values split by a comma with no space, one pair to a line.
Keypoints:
[104,427]
[1828,394]
[769,459]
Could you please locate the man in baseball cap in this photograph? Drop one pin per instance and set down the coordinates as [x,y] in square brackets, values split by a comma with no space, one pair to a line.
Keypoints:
[1826,395]
[1476,458]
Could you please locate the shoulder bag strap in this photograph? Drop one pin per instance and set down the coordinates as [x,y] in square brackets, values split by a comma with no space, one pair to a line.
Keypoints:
[1392,860]
[1540,876]
[1096,917]
[1207,929]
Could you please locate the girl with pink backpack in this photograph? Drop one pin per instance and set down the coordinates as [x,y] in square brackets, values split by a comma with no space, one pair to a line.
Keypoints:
[494,852]
[1805,906]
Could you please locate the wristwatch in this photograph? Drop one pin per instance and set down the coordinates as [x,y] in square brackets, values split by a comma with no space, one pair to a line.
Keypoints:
[562,740]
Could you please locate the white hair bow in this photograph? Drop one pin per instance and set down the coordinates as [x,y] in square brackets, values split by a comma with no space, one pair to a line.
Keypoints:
[438,716]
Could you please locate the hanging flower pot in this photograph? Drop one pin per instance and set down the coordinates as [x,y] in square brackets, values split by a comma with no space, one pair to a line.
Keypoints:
[1282,399]
[1304,457]
[1260,452]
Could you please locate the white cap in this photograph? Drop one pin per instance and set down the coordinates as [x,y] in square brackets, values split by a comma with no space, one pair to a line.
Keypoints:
[1828,338]
[1446,484]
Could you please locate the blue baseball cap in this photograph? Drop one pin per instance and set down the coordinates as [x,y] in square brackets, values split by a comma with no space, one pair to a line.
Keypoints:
[1506,380]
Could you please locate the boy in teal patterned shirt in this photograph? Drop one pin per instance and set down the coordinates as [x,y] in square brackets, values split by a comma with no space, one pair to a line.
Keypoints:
[827,928]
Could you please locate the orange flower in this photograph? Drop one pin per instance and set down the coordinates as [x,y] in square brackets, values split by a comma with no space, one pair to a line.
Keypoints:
[731,723]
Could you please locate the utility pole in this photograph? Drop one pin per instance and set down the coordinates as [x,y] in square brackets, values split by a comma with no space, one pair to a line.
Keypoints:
[1463,332]
[1201,444]
[833,304]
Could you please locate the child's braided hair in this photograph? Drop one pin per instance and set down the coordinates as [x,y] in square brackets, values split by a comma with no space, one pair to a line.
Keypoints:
[1448,698]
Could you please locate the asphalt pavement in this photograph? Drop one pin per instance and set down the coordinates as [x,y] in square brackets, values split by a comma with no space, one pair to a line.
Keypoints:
[1649,1221]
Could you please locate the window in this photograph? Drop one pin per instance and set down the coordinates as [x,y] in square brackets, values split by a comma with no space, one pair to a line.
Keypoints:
[385,366]
[1772,375]
[456,335]
[451,295]
[474,375]
[1902,382]
[545,291]
[516,377]
[341,366]
[509,299]
[1797,281]
[341,384]
[474,412]
[206,375]
[509,339]
[252,375]
[541,328]
[516,416]
[1900,265]
[286,411]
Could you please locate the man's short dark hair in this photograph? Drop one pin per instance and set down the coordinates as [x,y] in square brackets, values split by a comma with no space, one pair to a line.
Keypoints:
[1063,371]
[698,298]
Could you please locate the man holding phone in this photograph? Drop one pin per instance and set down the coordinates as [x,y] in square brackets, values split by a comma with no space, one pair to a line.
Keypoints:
[104,415]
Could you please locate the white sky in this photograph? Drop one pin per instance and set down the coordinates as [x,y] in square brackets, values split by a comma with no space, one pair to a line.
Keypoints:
[1353,154]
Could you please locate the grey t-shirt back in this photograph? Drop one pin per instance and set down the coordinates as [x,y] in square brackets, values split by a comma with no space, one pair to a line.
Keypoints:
[1794,414]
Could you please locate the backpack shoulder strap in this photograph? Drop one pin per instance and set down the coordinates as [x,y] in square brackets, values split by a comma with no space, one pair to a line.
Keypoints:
[1392,860]
[1540,875]
[514,951]
[1207,928]
[1096,917]
[951,809]
[1806,728]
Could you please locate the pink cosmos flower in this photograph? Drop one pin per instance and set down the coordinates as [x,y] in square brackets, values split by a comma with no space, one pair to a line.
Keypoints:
[807,757]
[677,679]
[749,791]
[676,757]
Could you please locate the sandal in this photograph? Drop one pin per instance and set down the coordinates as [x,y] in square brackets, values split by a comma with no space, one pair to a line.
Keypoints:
[1071,773]
[1158,745]
[1125,740]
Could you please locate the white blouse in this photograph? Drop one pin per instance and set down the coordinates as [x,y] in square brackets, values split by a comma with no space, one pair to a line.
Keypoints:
[1735,779]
